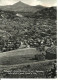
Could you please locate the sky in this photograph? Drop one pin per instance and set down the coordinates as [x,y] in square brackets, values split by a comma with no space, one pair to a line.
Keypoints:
[48,3]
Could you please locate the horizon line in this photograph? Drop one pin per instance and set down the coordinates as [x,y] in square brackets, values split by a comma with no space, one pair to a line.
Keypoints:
[28,4]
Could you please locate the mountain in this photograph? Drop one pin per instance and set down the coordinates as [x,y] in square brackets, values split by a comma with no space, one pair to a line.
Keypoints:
[49,12]
[39,7]
[21,7]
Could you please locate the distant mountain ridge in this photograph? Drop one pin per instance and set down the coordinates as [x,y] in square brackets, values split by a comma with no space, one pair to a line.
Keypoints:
[22,7]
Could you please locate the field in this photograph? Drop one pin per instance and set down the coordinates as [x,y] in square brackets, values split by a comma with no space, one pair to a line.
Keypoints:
[19,64]
[23,70]
[17,56]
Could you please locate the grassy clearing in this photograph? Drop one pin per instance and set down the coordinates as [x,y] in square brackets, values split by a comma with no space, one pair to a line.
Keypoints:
[24,51]
[17,56]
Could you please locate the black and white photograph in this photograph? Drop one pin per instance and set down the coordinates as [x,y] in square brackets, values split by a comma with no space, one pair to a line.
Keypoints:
[28,39]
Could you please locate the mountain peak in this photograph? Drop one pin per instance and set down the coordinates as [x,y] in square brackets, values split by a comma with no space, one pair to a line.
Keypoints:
[20,6]
[20,3]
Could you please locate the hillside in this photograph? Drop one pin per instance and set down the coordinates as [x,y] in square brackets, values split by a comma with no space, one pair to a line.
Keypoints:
[47,13]
[39,7]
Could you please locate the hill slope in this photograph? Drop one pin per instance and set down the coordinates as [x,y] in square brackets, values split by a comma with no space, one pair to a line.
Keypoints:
[47,13]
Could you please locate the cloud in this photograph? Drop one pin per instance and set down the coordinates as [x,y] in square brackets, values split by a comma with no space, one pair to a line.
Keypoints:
[32,2]
[49,2]
[55,4]
[7,2]
[35,2]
